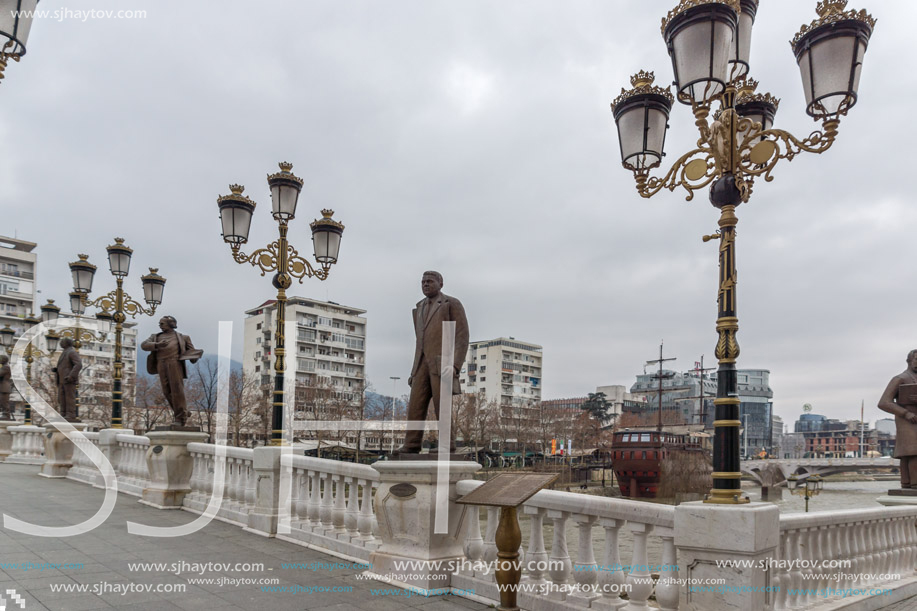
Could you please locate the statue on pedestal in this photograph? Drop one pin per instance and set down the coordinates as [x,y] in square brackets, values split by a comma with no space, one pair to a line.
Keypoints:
[424,381]
[6,387]
[169,350]
[900,399]
[68,373]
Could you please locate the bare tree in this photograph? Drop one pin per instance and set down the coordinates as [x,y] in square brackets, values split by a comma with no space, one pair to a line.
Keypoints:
[201,391]
[246,406]
[149,407]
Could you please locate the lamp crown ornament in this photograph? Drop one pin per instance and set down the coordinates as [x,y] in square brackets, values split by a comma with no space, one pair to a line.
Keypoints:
[642,83]
[832,11]
[285,166]
[684,5]
[237,189]
[285,175]
[83,257]
[327,213]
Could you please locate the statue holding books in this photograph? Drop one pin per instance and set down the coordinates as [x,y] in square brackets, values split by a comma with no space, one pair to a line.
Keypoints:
[900,399]
[169,350]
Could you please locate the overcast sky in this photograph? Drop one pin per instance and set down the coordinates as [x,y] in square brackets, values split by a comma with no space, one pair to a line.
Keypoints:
[473,137]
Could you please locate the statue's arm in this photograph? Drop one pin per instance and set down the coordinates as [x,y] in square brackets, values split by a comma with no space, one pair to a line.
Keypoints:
[77,363]
[149,344]
[189,346]
[461,334]
[887,401]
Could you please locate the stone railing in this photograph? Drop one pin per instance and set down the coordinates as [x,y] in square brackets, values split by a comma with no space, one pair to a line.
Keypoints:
[863,548]
[28,445]
[133,474]
[580,582]
[331,505]
[83,470]
[239,487]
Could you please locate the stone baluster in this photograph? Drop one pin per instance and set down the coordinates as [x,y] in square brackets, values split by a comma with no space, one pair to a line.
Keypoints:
[365,520]
[871,555]
[883,555]
[473,546]
[352,515]
[195,482]
[490,534]
[794,575]
[819,556]
[251,486]
[375,487]
[667,590]
[560,568]
[840,533]
[897,535]
[612,576]
[327,510]
[299,498]
[314,506]
[585,570]
[780,580]
[639,578]
[209,468]
[537,555]
[337,513]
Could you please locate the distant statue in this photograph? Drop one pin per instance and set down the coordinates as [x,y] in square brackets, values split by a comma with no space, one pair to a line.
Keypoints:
[68,374]
[169,350]
[424,381]
[900,399]
[6,387]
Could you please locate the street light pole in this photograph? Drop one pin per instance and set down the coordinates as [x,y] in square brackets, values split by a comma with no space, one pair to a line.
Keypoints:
[394,380]
[279,256]
[709,43]
[118,304]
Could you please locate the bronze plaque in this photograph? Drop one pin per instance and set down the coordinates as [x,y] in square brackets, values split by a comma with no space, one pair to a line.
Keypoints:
[403,490]
[508,489]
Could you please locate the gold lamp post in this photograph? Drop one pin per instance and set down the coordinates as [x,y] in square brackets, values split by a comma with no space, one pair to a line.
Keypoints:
[280,257]
[15,23]
[50,312]
[117,304]
[709,43]
[811,487]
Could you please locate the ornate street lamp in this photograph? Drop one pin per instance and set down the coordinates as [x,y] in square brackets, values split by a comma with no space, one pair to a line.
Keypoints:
[30,354]
[116,306]
[15,23]
[811,487]
[7,334]
[709,42]
[236,215]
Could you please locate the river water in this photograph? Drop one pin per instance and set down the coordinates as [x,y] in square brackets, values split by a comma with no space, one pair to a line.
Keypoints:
[834,496]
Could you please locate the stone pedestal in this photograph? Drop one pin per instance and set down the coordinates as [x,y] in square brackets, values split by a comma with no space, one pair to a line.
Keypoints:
[6,439]
[706,533]
[266,462]
[169,464]
[898,497]
[58,451]
[405,506]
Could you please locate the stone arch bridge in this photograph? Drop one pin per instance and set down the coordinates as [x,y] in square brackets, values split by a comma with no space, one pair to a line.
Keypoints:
[774,472]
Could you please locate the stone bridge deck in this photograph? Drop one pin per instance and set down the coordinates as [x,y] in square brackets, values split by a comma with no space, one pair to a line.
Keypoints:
[105,553]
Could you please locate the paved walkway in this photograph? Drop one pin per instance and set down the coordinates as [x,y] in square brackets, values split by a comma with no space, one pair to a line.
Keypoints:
[100,562]
[908,604]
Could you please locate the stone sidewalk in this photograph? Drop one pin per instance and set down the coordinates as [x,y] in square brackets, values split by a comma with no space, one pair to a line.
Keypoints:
[99,561]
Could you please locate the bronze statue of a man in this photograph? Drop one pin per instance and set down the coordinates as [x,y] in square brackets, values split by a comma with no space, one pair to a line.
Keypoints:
[6,387]
[68,372]
[902,402]
[424,381]
[169,350]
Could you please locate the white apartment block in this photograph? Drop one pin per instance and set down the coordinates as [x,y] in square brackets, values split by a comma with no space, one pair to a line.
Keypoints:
[18,294]
[506,369]
[328,349]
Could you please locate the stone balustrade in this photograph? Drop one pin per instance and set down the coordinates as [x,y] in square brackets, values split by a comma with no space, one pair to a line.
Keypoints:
[864,548]
[558,581]
[83,469]
[239,482]
[133,474]
[331,505]
[28,445]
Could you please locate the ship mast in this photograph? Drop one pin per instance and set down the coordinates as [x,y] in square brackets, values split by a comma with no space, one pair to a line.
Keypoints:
[660,376]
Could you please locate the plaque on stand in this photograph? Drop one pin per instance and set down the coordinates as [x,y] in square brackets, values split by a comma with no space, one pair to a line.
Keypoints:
[507,491]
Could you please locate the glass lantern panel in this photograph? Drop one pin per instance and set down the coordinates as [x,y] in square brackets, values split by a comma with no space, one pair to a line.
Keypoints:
[700,60]
[76,305]
[283,201]
[832,60]
[119,263]
[82,280]
[744,45]
[8,22]
[630,132]
[655,135]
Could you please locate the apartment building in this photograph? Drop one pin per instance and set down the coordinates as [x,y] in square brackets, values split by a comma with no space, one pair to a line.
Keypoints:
[507,370]
[327,353]
[18,293]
